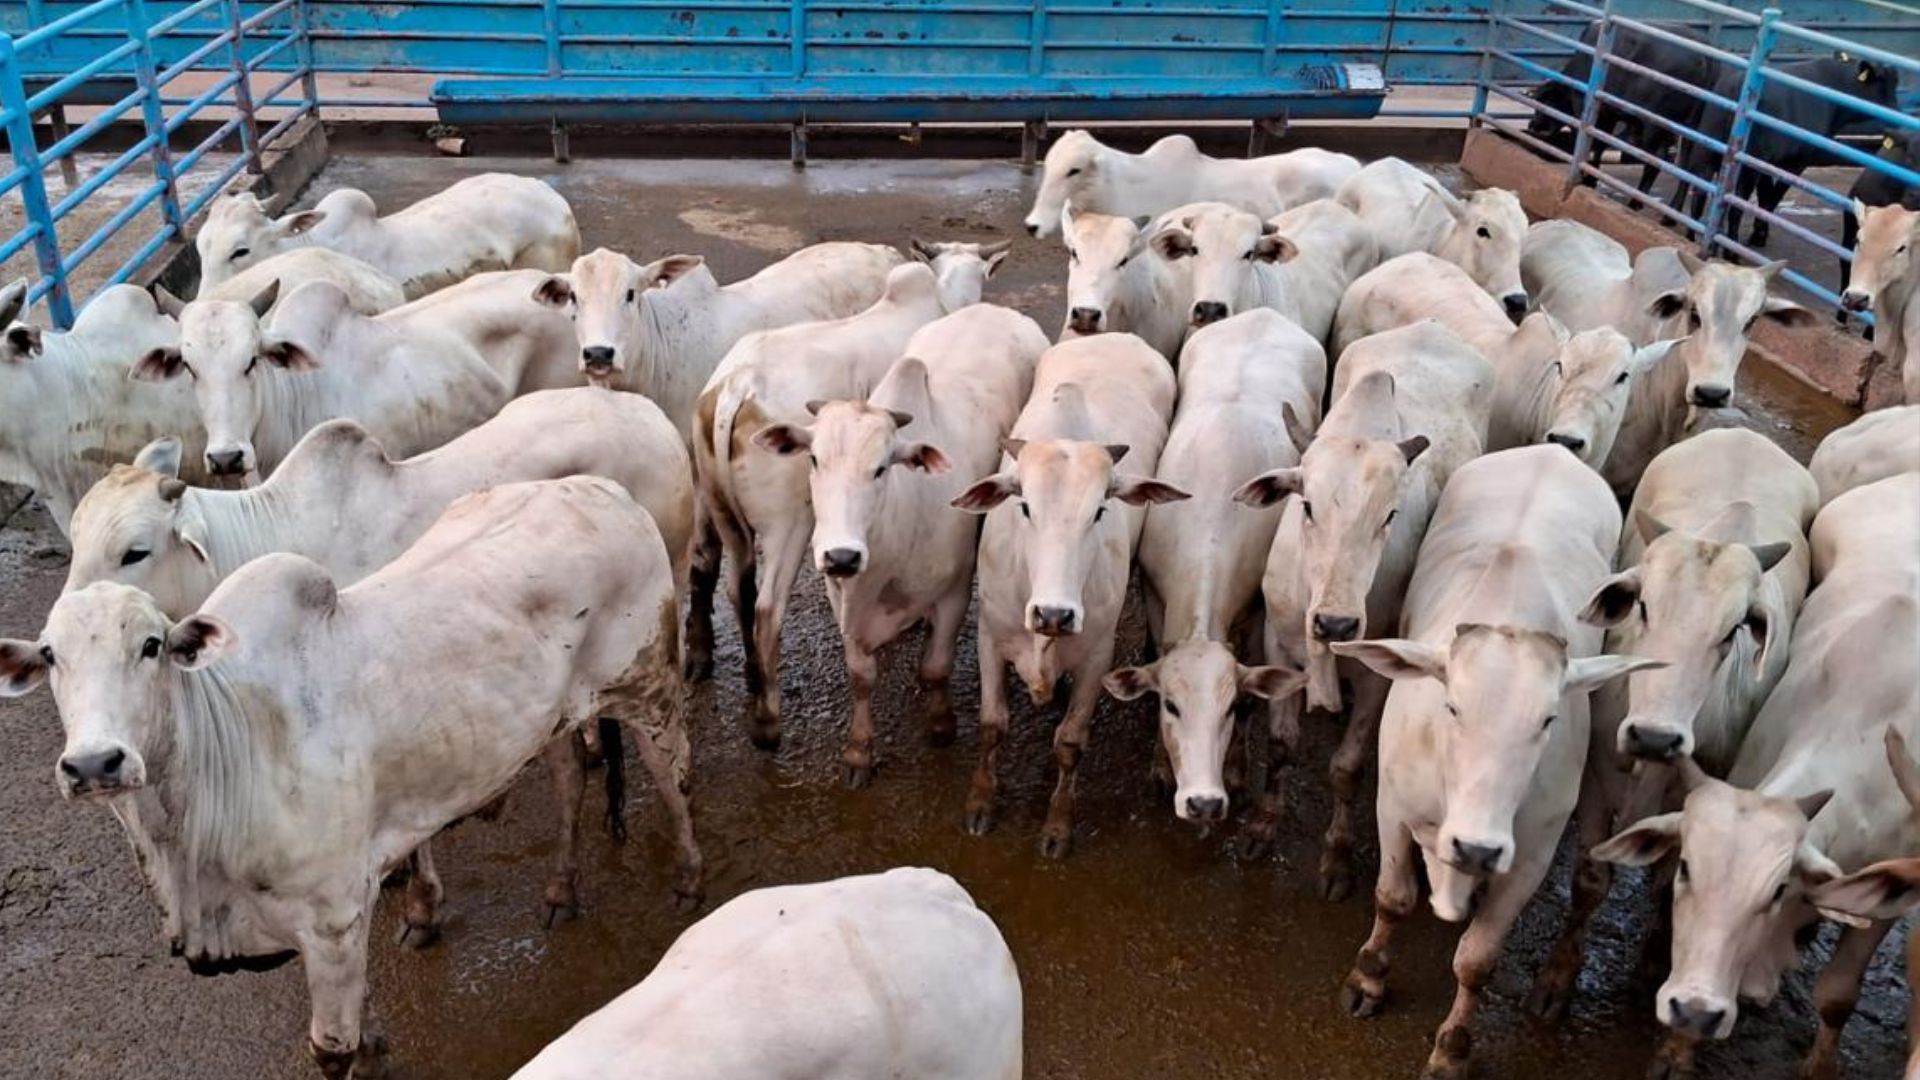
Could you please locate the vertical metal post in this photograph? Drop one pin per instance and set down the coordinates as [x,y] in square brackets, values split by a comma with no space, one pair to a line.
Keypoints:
[1037,38]
[550,21]
[154,117]
[1495,11]
[1590,106]
[1729,173]
[243,88]
[33,189]
[303,48]
[797,34]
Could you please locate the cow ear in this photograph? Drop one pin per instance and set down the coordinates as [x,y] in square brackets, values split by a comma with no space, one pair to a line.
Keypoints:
[1613,601]
[13,300]
[198,641]
[190,528]
[1787,313]
[1272,683]
[921,250]
[1396,658]
[1274,248]
[1591,672]
[1130,683]
[1760,625]
[922,456]
[553,291]
[1142,491]
[1643,844]
[1668,304]
[303,222]
[161,456]
[158,365]
[1012,447]
[986,494]
[1297,429]
[1172,243]
[22,667]
[664,272]
[287,354]
[23,339]
[1906,774]
[1880,893]
[1270,487]
[783,439]
[1648,357]
[1770,554]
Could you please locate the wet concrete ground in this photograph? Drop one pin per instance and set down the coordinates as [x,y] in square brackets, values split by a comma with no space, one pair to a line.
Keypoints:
[1152,952]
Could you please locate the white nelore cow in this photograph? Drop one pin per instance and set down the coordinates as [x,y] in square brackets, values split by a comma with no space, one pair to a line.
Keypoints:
[1714,568]
[1299,263]
[1882,443]
[661,329]
[494,221]
[1116,283]
[1056,551]
[1407,210]
[1419,286]
[875,977]
[1586,279]
[1809,797]
[1485,732]
[961,267]
[1886,280]
[273,756]
[369,291]
[755,503]
[412,383]
[1202,559]
[891,549]
[530,345]
[1409,407]
[1093,176]
[1594,380]
[68,411]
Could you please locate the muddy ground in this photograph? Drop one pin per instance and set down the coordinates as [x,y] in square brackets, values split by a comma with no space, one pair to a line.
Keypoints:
[1152,952]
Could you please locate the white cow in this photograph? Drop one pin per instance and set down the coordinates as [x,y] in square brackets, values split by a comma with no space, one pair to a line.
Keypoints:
[273,756]
[530,345]
[1809,797]
[661,329]
[1419,286]
[1093,176]
[494,221]
[1300,263]
[891,549]
[68,411]
[1586,279]
[370,291]
[755,503]
[876,977]
[1055,554]
[1882,443]
[961,267]
[412,383]
[1115,281]
[1409,407]
[1595,377]
[1485,731]
[1202,559]
[1407,210]
[1886,278]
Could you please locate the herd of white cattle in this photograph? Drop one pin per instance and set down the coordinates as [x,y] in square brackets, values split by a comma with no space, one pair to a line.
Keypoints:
[1366,441]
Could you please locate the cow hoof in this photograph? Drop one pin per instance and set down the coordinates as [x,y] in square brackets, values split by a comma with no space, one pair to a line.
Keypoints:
[1056,843]
[856,777]
[1336,882]
[940,736]
[1820,1066]
[417,936]
[978,821]
[1256,839]
[767,739]
[698,669]
[1362,998]
[1452,1057]
[688,898]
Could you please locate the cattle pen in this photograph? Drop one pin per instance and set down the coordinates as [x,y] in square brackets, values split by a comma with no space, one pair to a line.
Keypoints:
[743,130]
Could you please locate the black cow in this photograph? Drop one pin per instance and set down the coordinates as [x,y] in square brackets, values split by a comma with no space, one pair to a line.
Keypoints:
[1846,74]
[1873,188]
[1648,51]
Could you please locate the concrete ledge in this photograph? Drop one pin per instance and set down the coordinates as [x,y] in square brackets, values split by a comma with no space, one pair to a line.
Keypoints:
[1831,361]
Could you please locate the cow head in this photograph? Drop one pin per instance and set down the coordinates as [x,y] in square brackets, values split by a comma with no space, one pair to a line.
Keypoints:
[238,233]
[961,268]
[1074,172]
[1740,896]
[139,527]
[606,293]
[1698,605]
[228,354]
[1884,260]
[1597,371]
[22,340]
[1723,304]
[1219,246]
[1488,228]
[1100,251]
[1063,492]
[851,448]
[1198,682]
[1503,689]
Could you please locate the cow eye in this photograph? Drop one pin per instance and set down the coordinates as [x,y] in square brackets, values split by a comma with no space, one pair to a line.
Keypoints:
[1124,261]
[1453,710]
[1780,892]
[240,253]
[1099,512]
[1307,509]
[1548,722]
[1072,255]
[251,364]
[879,472]
[1620,379]
[630,295]
[1172,709]
[813,461]
[1483,233]
[1391,514]
[1686,873]
[1073,172]
[1025,512]
[46,655]
[150,648]
[134,555]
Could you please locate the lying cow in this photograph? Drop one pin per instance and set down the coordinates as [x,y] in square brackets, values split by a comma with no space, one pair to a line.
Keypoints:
[1299,264]
[494,221]
[369,291]
[891,549]
[1485,731]
[1410,406]
[1407,210]
[1093,176]
[919,979]
[1886,281]
[962,268]
[1882,443]
[1055,555]
[260,388]
[275,755]
[68,410]
[1202,559]
[1808,798]
[1117,283]
[1584,278]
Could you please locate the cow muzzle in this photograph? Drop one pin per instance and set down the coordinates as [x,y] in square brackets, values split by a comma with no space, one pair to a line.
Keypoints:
[1575,443]
[1085,320]
[1205,807]
[1053,620]
[100,772]
[1697,1015]
[1855,300]
[228,461]
[596,359]
[1477,857]
[1332,626]
[1712,396]
[1654,742]
[1208,312]
[1515,304]
[841,562]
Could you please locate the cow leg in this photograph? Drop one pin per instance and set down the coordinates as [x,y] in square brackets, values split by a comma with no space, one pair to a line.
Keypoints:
[565,770]
[1592,881]
[993,731]
[1394,897]
[420,923]
[1771,192]
[1283,745]
[651,704]
[336,963]
[1849,236]
[936,664]
[781,552]
[1336,860]
[703,574]
[856,759]
[1836,993]
[743,579]
[1069,743]
[1477,954]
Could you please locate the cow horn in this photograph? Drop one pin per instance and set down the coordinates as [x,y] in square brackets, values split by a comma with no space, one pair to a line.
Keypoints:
[814,406]
[1651,528]
[900,419]
[921,250]
[988,251]
[1012,447]
[1117,451]
[169,304]
[264,300]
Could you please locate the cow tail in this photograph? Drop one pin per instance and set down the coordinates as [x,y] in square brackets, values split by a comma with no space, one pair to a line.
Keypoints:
[614,754]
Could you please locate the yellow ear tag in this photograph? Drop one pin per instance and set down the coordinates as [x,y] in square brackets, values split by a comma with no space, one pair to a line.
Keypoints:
[1864,73]
[1887,143]
[1846,57]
